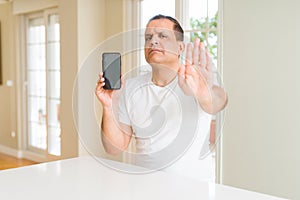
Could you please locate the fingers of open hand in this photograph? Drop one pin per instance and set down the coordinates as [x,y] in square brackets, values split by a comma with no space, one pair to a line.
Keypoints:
[202,56]
[181,71]
[181,77]
[183,80]
[189,55]
[196,54]
[196,51]
[209,62]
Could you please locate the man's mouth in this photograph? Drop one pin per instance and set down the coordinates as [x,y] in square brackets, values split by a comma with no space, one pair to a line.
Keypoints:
[155,51]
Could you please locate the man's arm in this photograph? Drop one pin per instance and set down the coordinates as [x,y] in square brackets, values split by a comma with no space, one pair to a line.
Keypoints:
[115,136]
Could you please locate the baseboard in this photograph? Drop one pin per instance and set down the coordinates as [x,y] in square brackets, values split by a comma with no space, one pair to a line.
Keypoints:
[11,151]
[34,156]
[22,154]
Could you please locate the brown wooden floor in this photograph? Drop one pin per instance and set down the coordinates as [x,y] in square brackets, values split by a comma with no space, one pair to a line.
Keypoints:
[7,162]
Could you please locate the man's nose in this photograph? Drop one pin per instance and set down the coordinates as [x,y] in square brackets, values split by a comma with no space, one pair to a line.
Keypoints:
[154,41]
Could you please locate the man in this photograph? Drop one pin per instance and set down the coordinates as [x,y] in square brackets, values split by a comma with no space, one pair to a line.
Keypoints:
[160,107]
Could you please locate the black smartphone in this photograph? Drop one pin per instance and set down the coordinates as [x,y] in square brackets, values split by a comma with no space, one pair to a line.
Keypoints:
[111,67]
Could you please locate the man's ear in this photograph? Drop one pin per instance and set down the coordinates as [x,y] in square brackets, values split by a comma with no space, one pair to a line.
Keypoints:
[181,47]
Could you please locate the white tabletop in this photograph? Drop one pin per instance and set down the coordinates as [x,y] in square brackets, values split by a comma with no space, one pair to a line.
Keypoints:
[85,178]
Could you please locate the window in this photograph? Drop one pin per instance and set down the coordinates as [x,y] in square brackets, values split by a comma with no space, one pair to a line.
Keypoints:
[202,22]
[43,83]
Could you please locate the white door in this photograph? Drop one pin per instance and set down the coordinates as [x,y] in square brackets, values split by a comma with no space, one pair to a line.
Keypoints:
[43,84]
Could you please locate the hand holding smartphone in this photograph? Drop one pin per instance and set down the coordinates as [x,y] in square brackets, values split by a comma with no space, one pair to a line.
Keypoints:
[111,67]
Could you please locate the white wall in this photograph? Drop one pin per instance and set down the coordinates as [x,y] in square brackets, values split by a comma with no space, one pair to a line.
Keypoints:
[261,73]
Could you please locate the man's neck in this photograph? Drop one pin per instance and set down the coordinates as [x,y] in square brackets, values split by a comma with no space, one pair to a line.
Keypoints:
[162,76]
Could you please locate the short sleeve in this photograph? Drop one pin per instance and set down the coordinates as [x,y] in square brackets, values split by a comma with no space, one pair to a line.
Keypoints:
[123,111]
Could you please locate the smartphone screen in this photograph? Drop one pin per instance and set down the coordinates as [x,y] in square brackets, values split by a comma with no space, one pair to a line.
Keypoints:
[111,67]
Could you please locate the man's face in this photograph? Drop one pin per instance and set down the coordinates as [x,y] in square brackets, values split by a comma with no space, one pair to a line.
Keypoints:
[161,46]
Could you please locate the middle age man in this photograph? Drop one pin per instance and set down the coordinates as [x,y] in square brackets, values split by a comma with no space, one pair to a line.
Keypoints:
[155,107]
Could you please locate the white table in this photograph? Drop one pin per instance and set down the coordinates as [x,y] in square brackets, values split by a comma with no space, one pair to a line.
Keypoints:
[85,178]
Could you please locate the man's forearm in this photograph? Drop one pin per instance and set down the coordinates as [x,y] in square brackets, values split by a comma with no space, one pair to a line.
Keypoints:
[114,139]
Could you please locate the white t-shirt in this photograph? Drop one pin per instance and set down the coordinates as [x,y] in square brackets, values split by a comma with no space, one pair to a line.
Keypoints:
[170,128]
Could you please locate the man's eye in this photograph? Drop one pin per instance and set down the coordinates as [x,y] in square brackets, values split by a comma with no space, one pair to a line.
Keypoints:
[147,38]
[163,35]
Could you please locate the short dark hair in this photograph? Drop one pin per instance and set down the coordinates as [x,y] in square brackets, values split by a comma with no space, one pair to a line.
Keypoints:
[177,27]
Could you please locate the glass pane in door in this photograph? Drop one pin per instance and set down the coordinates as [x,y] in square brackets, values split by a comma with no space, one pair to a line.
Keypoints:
[36,90]
[53,72]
